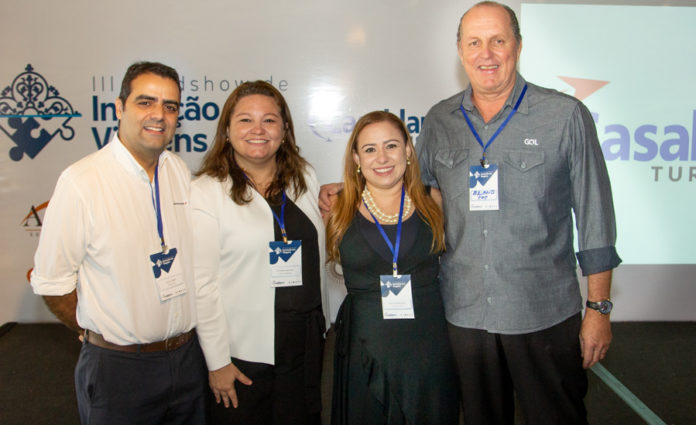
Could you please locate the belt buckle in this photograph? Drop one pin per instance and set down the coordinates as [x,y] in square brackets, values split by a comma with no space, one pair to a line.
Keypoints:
[175,342]
[170,343]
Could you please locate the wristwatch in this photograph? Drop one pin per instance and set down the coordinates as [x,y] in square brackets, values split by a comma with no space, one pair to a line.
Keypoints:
[603,306]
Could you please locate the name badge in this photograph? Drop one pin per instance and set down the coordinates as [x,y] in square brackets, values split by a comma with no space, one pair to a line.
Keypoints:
[168,275]
[286,263]
[483,188]
[397,302]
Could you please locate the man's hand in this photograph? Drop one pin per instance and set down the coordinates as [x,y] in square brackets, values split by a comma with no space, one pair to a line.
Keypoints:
[595,337]
[327,197]
[221,382]
[595,333]
[437,196]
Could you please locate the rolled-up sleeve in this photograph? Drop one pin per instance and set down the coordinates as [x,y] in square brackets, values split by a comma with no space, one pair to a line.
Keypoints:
[592,196]
[62,245]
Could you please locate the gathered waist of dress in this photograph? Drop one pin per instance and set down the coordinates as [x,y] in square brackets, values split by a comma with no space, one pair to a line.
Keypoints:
[375,291]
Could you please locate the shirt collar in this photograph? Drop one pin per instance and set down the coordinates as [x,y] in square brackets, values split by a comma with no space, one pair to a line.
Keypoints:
[468,104]
[125,158]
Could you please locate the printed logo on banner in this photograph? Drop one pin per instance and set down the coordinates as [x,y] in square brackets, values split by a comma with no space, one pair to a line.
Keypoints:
[644,146]
[329,128]
[32,113]
[583,86]
[33,221]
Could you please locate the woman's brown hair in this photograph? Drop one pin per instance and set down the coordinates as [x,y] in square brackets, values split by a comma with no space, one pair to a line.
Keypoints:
[219,162]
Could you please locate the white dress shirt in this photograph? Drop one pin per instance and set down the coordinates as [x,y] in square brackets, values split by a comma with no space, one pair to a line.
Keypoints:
[99,231]
[236,302]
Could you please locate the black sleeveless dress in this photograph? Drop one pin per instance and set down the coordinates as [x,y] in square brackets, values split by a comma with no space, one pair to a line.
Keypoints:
[396,371]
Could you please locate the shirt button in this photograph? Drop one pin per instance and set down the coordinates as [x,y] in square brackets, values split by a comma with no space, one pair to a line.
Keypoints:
[485,266]
[488,300]
[485,127]
[523,165]
[485,232]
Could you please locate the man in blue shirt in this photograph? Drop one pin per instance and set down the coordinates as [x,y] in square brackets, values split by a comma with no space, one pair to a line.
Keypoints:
[531,159]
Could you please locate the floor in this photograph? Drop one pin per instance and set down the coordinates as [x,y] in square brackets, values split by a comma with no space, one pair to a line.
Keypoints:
[651,364]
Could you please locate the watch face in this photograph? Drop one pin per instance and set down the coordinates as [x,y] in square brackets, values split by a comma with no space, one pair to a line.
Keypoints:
[605,306]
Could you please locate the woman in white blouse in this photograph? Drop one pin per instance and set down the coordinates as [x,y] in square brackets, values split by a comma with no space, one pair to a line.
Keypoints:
[259,256]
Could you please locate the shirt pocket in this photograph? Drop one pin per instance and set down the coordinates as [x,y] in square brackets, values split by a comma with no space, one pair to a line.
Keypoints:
[523,178]
[452,172]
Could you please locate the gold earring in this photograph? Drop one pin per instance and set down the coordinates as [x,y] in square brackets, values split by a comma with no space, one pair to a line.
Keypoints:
[358,170]
[408,161]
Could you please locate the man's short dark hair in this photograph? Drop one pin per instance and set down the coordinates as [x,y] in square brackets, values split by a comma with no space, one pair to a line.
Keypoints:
[514,23]
[140,68]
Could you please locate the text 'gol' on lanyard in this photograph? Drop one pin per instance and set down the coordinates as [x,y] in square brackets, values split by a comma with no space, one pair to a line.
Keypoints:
[484,162]
[394,249]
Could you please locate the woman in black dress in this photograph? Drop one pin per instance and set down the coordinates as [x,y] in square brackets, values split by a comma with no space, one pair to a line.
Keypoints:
[393,363]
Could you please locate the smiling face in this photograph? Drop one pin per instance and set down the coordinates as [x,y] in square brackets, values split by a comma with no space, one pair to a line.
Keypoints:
[147,120]
[381,152]
[256,131]
[489,51]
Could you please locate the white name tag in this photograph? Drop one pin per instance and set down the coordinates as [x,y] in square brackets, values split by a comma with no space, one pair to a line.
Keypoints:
[286,263]
[397,302]
[483,188]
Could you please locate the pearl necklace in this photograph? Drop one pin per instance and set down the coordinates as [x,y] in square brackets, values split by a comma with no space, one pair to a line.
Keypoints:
[381,216]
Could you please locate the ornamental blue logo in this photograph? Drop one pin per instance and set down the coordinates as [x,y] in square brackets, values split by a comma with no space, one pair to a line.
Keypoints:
[32,113]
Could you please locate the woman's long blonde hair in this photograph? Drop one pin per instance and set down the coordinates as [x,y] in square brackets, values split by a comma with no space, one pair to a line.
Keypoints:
[348,202]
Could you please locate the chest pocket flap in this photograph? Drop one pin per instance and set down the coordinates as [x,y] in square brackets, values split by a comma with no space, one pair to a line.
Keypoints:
[524,161]
[524,179]
[452,172]
[451,158]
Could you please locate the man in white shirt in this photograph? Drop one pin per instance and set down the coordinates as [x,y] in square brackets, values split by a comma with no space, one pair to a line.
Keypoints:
[114,263]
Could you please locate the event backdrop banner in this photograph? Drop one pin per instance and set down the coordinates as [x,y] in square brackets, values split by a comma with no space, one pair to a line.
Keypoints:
[634,69]
[62,63]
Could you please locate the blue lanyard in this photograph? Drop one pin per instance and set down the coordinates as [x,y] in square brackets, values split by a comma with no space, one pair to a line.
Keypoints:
[281,219]
[158,210]
[394,251]
[478,138]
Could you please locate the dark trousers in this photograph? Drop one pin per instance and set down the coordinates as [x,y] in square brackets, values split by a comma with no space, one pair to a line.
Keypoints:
[544,369]
[115,388]
[286,393]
